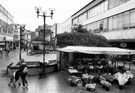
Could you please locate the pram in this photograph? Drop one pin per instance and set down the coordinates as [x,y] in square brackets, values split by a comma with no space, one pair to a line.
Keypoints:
[14,78]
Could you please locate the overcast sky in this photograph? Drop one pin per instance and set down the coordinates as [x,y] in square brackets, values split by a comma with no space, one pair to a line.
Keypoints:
[24,12]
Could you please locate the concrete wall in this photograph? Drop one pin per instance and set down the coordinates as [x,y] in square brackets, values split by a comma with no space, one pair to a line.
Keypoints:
[126,34]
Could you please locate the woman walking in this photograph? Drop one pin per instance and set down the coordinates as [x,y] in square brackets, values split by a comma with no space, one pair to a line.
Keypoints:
[23,73]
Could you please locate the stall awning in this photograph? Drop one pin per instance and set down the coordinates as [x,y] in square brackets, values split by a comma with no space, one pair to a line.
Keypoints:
[97,50]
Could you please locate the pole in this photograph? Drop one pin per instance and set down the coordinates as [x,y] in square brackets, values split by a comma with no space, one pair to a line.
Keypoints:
[20,44]
[44,41]
[27,43]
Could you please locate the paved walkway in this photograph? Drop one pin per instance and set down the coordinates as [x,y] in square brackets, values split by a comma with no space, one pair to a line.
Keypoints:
[56,83]
[53,82]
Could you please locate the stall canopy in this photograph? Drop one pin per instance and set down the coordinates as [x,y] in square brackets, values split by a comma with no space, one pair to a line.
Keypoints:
[97,50]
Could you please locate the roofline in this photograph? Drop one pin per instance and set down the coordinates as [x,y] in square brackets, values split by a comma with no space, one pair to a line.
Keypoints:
[83,7]
[7,11]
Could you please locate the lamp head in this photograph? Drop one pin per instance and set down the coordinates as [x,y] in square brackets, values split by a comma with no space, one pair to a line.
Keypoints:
[38,9]
[51,11]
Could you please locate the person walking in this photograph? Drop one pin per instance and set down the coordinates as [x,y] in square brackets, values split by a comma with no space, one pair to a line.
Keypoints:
[23,73]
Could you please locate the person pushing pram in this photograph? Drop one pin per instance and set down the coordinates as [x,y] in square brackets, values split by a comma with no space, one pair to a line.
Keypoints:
[14,78]
[20,73]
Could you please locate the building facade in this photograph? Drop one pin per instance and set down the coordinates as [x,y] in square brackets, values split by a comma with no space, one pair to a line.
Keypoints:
[66,25]
[16,35]
[6,29]
[114,19]
[38,38]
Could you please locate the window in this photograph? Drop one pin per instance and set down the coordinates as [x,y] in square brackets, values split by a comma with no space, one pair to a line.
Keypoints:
[111,4]
[110,23]
[132,18]
[95,27]
[84,16]
[126,20]
[89,14]
[116,3]
[120,22]
[114,22]
[93,12]
[5,31]
[121,1]
[102,7]
[106,5]
[87,27]
[126,0]
[105,25]
[0,30]
[98,11]
[101,25]
[75,21]
[90,27]
[98,26]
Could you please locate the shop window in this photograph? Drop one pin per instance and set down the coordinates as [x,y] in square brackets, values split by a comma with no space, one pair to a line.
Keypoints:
[120,22]
[132,18]
[110,23]
[126,20]
[114,23]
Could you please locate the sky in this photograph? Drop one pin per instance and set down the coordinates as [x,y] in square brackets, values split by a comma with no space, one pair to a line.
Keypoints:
[24,12]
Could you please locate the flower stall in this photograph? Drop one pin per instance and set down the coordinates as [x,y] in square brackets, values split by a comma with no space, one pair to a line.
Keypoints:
[97,66]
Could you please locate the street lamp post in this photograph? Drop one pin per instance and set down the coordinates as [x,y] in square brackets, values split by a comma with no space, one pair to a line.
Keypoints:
[22,27]
[38,10]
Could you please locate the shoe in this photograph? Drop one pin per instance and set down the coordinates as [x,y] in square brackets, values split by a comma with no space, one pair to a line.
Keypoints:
[22,86]
[26,85]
